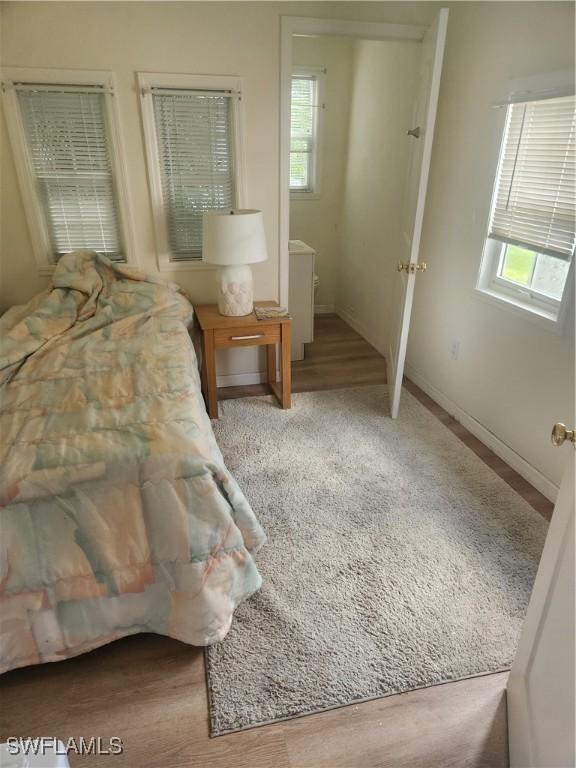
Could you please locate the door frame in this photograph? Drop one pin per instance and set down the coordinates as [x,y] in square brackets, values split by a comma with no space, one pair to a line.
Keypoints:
[291,26]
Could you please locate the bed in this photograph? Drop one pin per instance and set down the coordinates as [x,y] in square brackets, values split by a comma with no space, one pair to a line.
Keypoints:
[117,513]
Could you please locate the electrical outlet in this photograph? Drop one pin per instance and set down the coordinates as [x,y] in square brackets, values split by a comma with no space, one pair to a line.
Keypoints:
[455,350]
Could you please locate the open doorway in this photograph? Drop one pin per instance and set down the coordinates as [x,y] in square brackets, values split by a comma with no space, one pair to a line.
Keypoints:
[351,105]
[358,111]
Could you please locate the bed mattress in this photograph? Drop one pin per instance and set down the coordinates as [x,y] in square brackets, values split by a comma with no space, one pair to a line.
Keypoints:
[117,513]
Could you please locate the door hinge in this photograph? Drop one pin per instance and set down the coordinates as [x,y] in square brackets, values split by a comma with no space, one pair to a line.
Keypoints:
[411,268]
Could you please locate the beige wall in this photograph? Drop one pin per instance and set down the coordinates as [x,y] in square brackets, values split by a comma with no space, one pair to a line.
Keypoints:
[515,378]
[317,220]
[202,38]
[383,92]
[511,376]
[125,38]
[233,38]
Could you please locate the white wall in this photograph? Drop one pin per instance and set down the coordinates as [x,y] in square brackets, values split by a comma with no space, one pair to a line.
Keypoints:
[383,92]
[512,376]
[235,38]
[515,378]
[512,379]
[316,220]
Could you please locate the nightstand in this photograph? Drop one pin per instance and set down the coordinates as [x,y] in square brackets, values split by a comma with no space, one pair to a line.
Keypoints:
[222,332]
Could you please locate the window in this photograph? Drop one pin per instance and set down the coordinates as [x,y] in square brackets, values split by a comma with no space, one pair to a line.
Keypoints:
[305,112]
[65,145]
[191,126]
[529,250]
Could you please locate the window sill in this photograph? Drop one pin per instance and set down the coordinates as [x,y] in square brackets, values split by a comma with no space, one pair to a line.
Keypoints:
[165,265]
[548,319]
[46,268]
[296,195]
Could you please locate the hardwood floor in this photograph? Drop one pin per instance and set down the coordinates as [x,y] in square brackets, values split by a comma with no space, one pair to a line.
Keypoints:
[338,357]
[150,691]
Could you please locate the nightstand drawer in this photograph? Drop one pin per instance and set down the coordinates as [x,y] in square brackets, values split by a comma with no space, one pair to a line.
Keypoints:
[247,336]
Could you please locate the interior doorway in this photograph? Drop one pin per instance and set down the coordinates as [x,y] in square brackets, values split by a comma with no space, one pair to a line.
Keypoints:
[353,161]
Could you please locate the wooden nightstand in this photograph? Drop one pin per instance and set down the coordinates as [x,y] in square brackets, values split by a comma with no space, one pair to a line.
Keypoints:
[219,332]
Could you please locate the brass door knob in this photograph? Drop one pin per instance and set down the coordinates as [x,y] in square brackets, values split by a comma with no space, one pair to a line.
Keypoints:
[410,268]
[560,434]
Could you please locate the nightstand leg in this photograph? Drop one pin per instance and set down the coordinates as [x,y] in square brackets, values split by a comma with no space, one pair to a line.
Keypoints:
[286,369]
[271,363]
[203,376]
[209,371]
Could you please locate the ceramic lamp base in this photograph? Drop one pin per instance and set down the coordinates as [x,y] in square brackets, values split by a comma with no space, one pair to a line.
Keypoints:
[235,293]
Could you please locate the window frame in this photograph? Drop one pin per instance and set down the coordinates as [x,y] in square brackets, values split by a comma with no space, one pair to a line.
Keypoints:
[544,310]
[148,80]
[314,189]
[33,209]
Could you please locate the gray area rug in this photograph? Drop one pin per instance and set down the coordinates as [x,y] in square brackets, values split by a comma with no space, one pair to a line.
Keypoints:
[396,558]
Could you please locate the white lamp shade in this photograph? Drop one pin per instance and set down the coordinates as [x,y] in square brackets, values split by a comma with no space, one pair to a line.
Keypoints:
[231,238]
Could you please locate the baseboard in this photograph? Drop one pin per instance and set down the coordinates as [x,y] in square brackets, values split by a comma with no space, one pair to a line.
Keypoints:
[240,379]
[360,328]
[500,448]
[324,309]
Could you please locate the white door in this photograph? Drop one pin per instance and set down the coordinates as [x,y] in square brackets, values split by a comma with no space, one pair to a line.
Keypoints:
[421,137]
[540,694]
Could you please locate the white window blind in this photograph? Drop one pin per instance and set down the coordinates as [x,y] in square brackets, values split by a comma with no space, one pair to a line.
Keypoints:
[534,204]
[193,133]
[302,130]
[70,159]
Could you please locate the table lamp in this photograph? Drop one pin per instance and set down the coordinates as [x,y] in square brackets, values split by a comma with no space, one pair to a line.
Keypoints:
[232,240]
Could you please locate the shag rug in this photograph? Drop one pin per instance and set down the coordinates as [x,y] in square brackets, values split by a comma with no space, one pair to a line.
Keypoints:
[396,558]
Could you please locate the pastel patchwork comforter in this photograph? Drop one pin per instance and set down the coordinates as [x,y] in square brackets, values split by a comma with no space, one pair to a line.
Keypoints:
[117,514]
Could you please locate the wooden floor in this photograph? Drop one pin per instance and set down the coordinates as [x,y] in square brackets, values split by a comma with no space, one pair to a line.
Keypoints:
[150,691]
[337,358]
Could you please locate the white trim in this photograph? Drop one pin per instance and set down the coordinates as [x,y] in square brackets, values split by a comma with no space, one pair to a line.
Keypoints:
[300,195]
[301,25]
[120,175]
[551,85]
[324,309]
[548,314]
[435,36]
[34,212]
[500,448]
[364,30]
[147,81]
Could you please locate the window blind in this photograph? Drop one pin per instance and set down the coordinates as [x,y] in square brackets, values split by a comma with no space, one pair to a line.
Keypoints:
[196,164]
[70,158]
[535,195]
[303,103]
